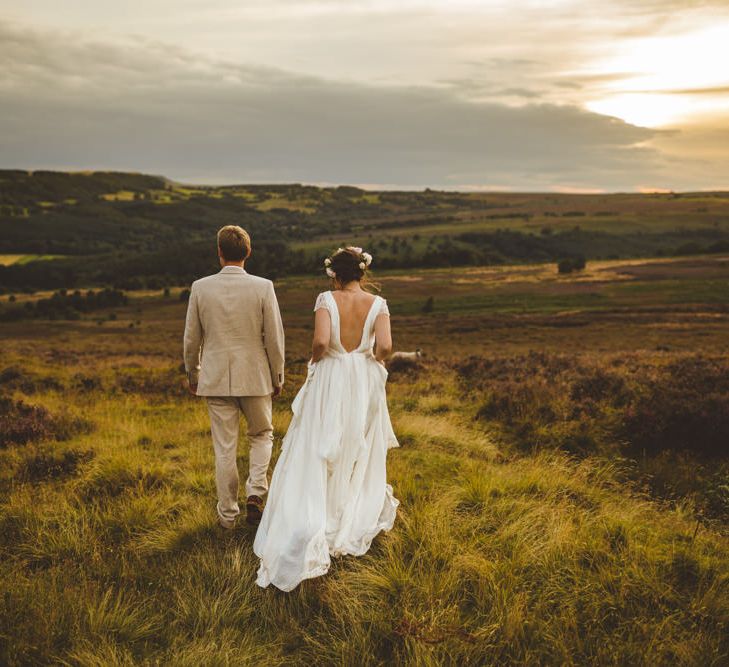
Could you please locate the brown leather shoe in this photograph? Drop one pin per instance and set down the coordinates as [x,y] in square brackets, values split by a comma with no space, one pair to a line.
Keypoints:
[254,510]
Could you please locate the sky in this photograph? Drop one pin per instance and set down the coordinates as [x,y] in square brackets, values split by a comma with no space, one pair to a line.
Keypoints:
[491,95]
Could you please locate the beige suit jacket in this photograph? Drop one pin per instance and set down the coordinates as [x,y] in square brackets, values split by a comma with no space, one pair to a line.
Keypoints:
[234,339]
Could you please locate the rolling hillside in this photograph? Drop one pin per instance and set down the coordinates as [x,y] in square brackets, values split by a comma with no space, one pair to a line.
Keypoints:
[135,231]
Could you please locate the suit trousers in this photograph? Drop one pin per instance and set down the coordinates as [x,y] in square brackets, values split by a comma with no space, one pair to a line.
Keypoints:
[225,414]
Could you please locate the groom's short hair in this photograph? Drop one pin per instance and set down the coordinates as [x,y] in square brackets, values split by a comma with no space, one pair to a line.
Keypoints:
[234,243]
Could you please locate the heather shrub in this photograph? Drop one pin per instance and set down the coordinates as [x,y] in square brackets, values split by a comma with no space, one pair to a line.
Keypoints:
[14,377]
[21,423]
[166,381]
[627,404]
[687,407]
[545,400]
[84,383]
[47,464]
[405,368]
[672,418]
[597,384]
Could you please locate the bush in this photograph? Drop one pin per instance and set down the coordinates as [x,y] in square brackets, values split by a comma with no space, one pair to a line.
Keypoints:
[571,264]
[630,406]
[86,383]
[48,464]
[405,369]
[719,246]
[690,248]
[147,381]
[14,377]
[63,305]
[672,420]
[21,423]
[597,384]
[687,407]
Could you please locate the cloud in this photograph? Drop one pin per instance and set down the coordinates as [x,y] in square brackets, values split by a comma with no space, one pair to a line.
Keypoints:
[709,90]
[69,102]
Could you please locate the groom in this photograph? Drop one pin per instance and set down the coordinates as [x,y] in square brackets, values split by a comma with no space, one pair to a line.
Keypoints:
[234,356]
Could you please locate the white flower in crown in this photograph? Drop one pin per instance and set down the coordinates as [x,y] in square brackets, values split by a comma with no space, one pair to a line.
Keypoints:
[330,273]
[355,249]
[327,262]
[362,266]
[367,258]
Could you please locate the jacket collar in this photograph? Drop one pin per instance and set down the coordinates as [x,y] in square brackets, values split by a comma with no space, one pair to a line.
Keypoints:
[232,269]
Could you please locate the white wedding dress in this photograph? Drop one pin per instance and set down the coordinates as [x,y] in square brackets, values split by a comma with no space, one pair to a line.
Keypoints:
[329,494]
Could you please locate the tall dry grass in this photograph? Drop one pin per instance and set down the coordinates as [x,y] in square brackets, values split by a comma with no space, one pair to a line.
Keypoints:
[110,555]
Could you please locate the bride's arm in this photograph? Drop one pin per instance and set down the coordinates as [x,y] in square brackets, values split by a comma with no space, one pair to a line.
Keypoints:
[322,331]
[383,337]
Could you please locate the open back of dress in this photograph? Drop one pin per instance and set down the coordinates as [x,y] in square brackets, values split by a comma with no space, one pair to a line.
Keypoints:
[329,494]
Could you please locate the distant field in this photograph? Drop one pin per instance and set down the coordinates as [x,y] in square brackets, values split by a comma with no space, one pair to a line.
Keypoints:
[536,223]
[7,260]
[494,310]
[510,308]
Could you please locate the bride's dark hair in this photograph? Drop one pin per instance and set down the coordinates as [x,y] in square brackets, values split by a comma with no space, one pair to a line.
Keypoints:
[346,266]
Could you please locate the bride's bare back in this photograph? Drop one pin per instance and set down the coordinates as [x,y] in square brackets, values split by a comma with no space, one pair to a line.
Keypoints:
[353,307]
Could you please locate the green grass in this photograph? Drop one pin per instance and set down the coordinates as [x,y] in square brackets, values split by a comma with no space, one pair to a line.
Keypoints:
[110,554]
[493,559]
[7,260]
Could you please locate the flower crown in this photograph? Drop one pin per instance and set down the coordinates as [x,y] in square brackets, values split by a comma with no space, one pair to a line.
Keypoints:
[365,259]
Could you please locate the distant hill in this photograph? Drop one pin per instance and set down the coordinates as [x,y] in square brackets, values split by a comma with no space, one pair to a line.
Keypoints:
[29,188]
[136,230]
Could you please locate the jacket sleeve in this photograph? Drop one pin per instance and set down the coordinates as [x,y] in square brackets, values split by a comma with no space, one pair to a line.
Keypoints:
[273,336]
[193,339]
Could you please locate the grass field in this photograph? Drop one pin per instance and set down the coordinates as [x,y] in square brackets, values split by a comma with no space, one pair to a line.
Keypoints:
[502,553]
[7,260]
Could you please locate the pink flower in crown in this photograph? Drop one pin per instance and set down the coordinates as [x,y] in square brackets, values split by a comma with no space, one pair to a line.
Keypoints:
[356,249]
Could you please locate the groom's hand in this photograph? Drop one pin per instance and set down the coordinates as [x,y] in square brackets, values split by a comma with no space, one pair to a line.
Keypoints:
[276,392]
[192,388]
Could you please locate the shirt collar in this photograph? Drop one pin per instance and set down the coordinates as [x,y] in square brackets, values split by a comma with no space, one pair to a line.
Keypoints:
[232,269]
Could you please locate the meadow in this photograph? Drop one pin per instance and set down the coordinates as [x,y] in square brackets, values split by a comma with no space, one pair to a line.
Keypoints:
[546,516]
[7,260]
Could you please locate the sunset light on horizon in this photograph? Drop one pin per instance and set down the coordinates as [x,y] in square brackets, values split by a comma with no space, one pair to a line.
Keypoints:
[530,96]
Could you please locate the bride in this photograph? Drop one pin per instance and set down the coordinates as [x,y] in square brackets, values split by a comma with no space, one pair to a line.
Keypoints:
[329,494]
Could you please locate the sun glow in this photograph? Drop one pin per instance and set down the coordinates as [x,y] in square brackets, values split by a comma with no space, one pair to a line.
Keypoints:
[676,78]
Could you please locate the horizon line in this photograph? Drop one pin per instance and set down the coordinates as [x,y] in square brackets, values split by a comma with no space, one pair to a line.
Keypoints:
[386,187]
